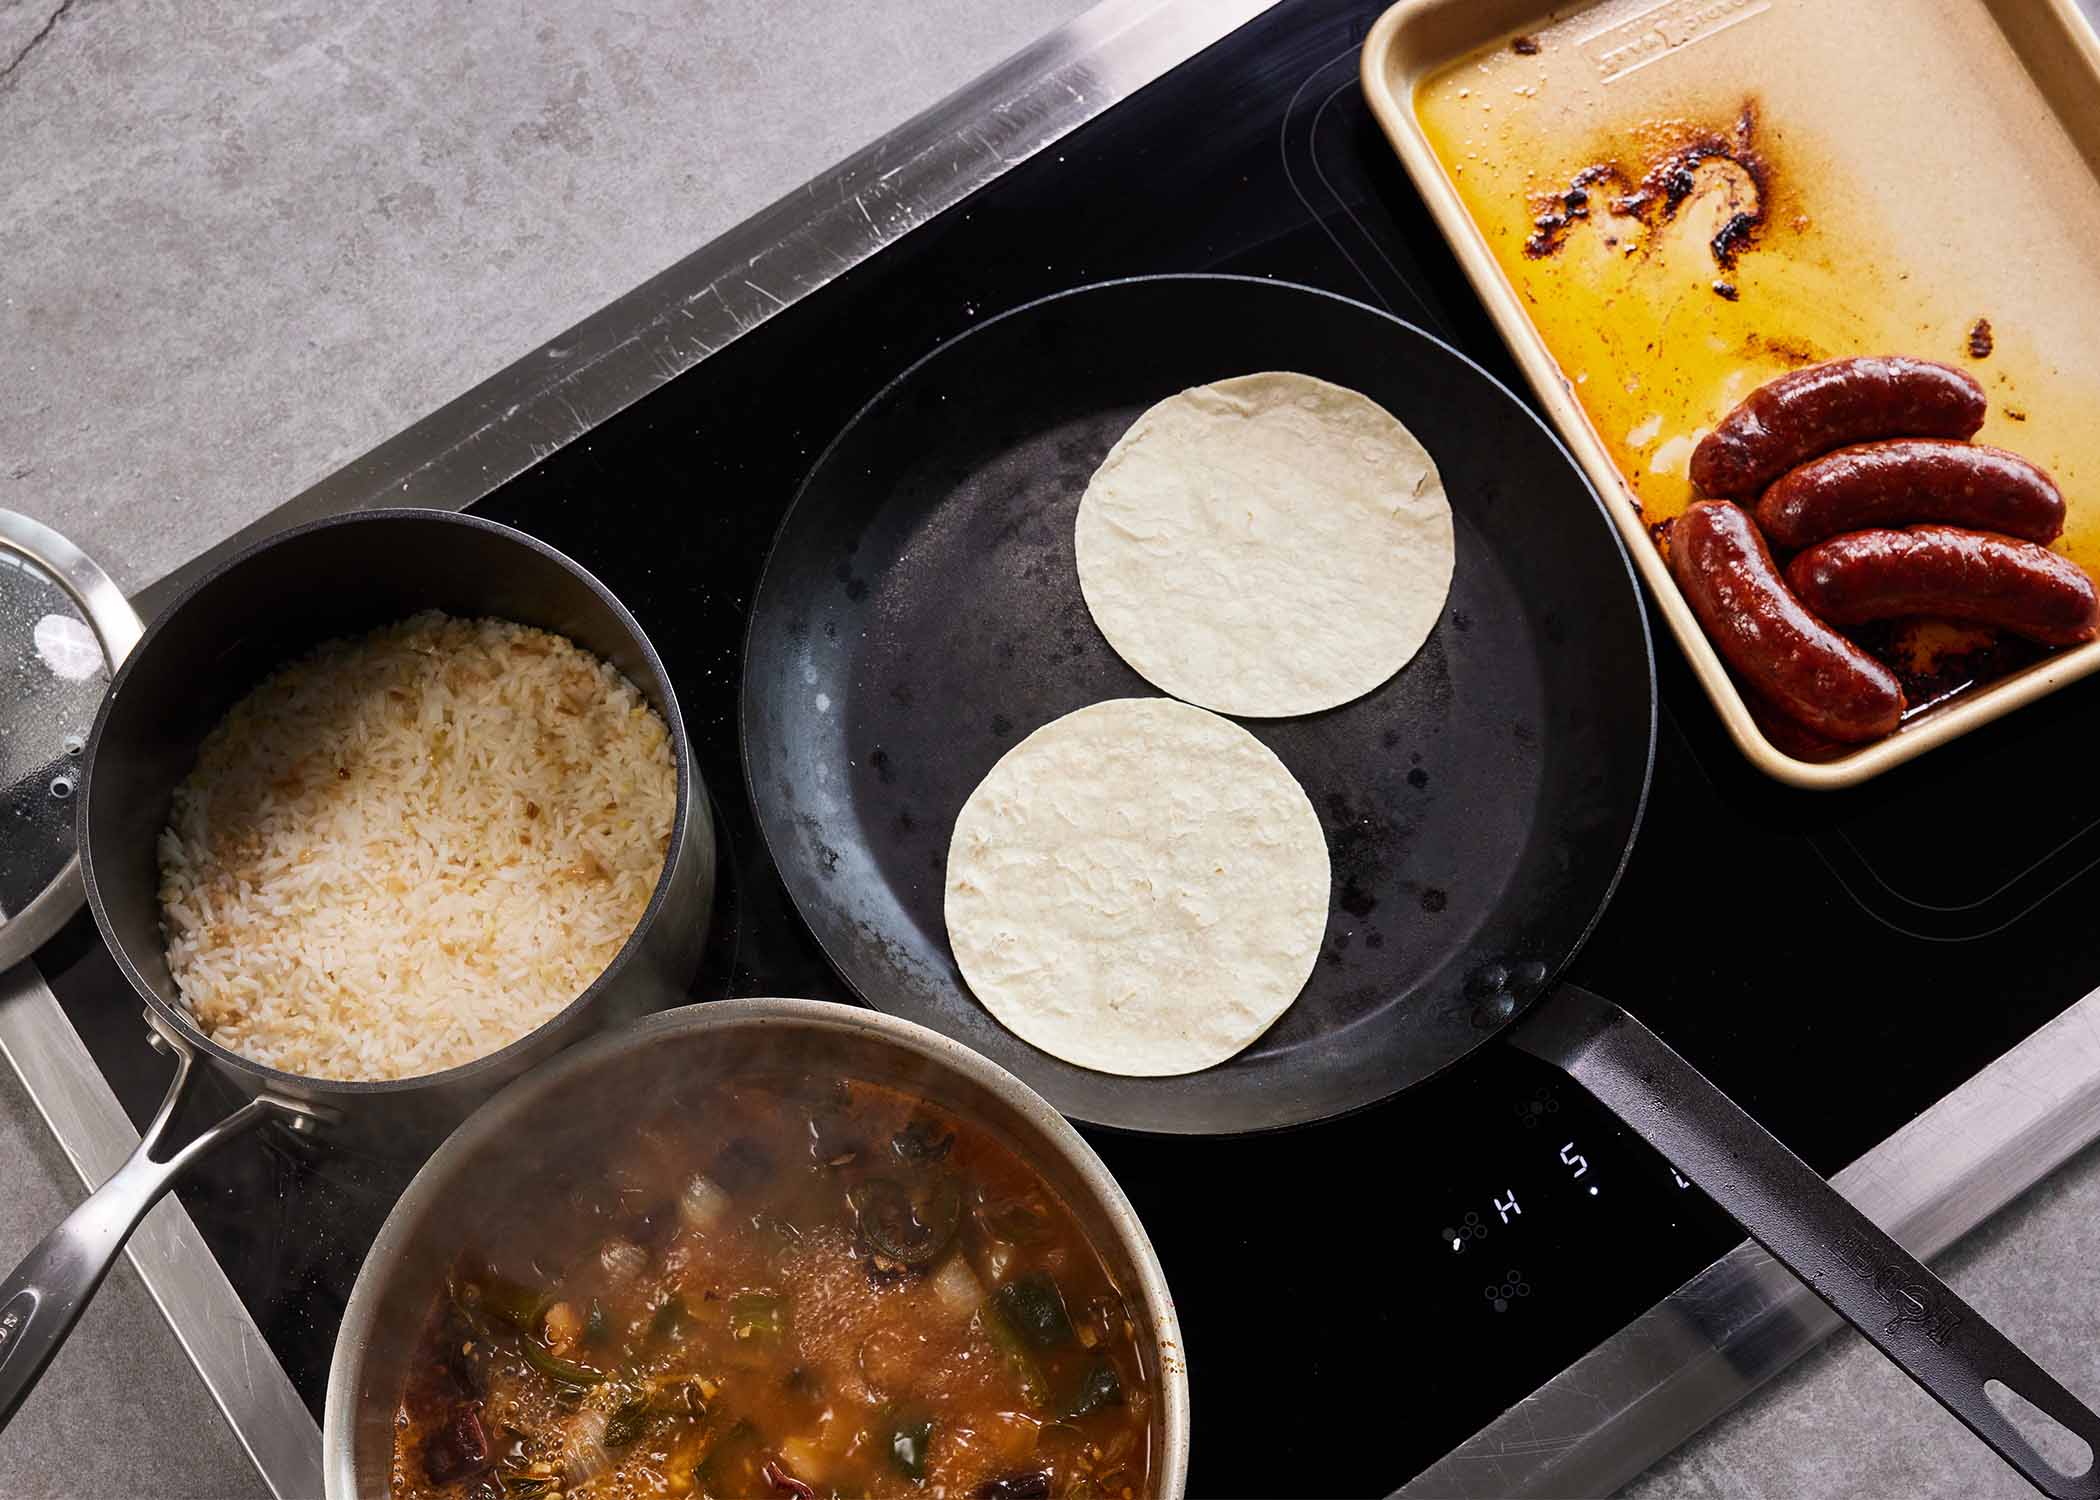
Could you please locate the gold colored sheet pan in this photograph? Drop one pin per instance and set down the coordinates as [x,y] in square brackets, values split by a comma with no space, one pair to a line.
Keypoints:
[1922,166]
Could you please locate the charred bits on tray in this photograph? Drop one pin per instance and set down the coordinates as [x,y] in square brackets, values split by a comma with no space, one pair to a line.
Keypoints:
[1662,188]
[1981,341]
[1567,209]
[1525,46]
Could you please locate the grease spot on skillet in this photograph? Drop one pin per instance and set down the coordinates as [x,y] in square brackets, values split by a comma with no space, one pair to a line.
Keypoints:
[1418,778]
[1360,845]
[879,758]
[1434,900]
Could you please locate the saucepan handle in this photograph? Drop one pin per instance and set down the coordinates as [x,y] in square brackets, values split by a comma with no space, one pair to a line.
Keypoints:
[1866,1277]
[44,1297]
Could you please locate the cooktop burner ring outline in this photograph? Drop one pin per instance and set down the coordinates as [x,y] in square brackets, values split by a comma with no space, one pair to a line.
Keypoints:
[1422,311]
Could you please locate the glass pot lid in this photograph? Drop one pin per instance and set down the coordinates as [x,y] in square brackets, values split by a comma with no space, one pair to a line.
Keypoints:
[64,626]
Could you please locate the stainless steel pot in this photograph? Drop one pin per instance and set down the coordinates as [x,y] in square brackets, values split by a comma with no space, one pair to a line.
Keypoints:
[555,1113]
[336,577]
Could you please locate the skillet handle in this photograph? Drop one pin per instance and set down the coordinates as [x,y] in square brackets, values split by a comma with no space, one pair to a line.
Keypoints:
[44,1297]
[1866,1277]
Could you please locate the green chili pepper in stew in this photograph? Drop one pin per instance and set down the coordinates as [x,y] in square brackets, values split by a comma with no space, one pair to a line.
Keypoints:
[1099,1386]
[626,1421]
[670,1318]
[1035,1309]
[554,1367]
[908,1442]
[510,1302]
[899,1227]
[594,1323]
[757,1313]
[1028,1375]
[526,1486]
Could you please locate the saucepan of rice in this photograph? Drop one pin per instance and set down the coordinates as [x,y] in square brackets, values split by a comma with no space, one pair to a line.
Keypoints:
[381,813]
[406,850]
[389,808]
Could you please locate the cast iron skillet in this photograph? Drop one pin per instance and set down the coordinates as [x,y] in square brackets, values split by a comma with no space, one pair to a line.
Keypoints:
[920,613]
[331,578]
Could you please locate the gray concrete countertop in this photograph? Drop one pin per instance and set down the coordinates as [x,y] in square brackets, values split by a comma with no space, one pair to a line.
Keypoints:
[241,243]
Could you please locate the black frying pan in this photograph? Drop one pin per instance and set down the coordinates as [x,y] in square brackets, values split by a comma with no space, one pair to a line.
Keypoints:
[921,612]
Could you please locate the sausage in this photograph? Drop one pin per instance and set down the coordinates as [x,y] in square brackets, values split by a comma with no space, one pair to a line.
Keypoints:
[1950,573]
[1821,407]
[1912,479]
[1803,667]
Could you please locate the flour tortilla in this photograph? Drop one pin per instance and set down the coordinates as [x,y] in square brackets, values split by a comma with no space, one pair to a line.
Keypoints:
[1139,887]
[1267,545]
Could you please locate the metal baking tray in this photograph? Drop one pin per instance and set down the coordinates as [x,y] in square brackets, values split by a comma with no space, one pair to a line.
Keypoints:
[1922,166]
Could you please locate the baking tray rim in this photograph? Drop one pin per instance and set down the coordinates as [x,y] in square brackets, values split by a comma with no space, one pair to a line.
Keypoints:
[1392,53]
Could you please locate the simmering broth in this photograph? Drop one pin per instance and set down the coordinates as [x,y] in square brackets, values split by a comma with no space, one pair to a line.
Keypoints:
[782,1287]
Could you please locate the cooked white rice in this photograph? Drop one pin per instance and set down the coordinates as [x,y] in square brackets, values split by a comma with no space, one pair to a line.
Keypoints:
[403,852]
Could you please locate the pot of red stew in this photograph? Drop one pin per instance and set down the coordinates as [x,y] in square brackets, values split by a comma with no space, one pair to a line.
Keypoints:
[761,1248]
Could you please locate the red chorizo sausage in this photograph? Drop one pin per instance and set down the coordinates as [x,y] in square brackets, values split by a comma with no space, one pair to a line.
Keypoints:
[1826,406]
[1952,574]
[1912,479]
[1806,669]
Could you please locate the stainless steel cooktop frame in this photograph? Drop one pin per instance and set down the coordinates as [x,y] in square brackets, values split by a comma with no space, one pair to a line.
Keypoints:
[1604,1419]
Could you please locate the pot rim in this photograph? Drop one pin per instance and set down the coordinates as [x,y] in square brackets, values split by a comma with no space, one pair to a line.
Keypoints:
[338,1442]
[277,1080]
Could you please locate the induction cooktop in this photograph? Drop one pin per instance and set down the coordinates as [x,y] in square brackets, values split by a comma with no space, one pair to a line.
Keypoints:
[1412,1271]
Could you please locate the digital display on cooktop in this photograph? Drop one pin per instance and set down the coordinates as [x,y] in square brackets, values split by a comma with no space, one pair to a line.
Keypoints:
[1358,1296]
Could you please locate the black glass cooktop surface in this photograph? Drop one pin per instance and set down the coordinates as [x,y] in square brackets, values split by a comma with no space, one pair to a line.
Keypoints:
[1358,1297]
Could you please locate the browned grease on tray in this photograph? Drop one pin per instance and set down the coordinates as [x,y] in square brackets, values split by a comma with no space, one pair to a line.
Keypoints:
[1674,262]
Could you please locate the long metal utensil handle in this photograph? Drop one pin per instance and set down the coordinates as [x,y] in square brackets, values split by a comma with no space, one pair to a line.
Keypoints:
[1867,1278]
[42,1300]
